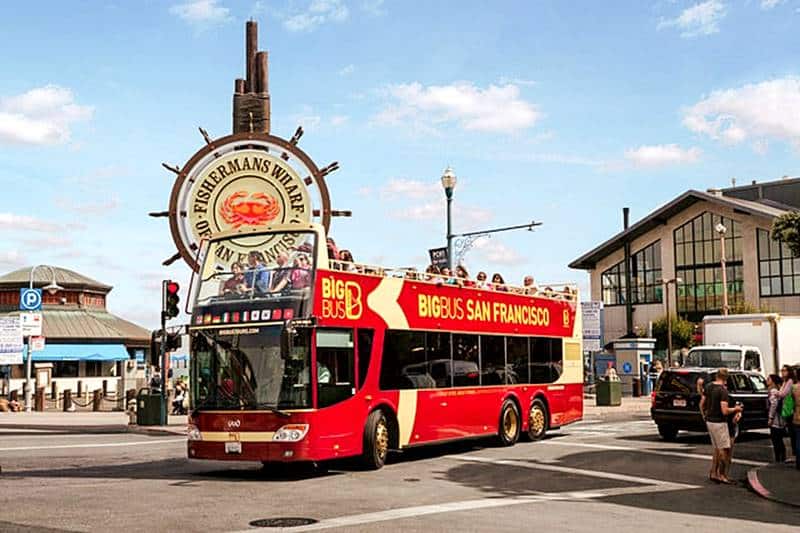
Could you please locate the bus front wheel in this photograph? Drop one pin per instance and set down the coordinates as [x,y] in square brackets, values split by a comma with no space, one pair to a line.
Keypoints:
[509,429]
[376,441]
[537,420]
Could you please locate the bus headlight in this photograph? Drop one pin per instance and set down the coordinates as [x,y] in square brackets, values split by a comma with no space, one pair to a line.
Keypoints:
[192,433]
[291,433]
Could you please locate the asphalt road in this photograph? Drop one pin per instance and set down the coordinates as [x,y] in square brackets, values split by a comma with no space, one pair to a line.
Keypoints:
[602,476]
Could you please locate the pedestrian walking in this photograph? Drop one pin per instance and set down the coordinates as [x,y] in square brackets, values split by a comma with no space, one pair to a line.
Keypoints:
[775,422]
[714,405]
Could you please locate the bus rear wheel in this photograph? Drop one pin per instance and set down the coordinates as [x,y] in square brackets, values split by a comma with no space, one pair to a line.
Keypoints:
[376,441]
[508,432]
[537,420]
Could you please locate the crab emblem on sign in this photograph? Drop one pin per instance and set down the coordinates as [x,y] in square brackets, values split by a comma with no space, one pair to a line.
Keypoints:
[254,209]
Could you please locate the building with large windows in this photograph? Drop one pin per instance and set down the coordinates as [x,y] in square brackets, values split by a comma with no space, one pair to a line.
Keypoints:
[680,240]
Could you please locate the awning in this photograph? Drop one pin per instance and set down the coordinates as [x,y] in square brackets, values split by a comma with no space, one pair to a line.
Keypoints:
[179,357]
[81,352]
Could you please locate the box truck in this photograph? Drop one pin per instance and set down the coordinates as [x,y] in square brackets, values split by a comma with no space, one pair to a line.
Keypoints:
[776,337]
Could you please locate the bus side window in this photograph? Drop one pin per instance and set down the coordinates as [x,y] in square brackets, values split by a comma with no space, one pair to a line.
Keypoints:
[335,372]
[365,337]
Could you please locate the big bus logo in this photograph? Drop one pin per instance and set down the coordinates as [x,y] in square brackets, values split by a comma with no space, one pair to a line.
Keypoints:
[341,299]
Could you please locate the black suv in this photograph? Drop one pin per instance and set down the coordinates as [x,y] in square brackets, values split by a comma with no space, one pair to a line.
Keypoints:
[676,399]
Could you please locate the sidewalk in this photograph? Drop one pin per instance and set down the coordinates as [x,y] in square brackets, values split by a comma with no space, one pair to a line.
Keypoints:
[631,408]
[776,481]
[87,422]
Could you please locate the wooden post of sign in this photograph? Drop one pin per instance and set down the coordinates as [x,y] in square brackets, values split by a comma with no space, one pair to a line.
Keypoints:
[251,110]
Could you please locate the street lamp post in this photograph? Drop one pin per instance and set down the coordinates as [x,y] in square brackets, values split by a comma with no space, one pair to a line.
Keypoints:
[669,316]
[721,230]
[449,184]
[52,288]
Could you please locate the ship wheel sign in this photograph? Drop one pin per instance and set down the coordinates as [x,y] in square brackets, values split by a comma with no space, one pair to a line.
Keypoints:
[245,181]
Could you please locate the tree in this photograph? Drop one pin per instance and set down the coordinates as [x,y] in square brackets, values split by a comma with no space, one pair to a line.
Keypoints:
[786,229]
[682,333]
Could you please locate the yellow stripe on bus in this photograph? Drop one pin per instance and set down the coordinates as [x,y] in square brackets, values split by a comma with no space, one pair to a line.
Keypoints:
[383,301]
[240,436]
[406,413]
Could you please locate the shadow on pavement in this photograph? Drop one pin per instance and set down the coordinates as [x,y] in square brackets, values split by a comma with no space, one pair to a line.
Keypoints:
[707,499]
[184,472]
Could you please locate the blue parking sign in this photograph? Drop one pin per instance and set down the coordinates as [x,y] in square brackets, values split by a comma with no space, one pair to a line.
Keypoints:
[30,299]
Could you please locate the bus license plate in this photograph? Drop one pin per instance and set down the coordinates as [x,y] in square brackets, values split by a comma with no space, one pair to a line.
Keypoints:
[678,403]
[233,447]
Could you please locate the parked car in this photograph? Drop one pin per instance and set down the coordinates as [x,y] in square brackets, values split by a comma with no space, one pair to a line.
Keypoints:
[676,399]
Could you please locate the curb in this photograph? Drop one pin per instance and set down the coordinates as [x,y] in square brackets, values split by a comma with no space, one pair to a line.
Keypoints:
[757,487]
[157,430]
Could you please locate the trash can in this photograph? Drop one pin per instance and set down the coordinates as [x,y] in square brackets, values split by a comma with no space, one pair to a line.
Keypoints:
[150,409]
[608,393]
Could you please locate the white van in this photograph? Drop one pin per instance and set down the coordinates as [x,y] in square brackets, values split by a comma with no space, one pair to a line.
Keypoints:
[725,355]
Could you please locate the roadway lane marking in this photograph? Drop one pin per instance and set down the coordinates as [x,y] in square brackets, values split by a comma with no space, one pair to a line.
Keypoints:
[665,485]
[100,445]
[646,450]
[468,505]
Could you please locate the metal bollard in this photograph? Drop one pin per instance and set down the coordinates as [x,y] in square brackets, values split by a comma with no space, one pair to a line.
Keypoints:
[39,402]
[97,398]
[53,390]
[80,388]
[105,388]
[67,399]
[14,396]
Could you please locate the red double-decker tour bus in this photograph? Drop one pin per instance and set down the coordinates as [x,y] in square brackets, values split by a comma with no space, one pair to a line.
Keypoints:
[298,358]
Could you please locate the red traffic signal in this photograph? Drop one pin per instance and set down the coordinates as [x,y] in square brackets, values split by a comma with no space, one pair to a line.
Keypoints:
[170,298]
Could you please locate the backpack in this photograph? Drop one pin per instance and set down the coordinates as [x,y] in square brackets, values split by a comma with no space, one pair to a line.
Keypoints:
[787,408]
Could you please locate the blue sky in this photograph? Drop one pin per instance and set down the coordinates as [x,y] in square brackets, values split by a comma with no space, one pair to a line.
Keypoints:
[560,112]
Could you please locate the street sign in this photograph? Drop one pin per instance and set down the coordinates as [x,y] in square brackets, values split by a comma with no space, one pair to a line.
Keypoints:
[10,341]
[626,367]
[438,257]
[591,314]
[30,299]
[31,324]
[36,344]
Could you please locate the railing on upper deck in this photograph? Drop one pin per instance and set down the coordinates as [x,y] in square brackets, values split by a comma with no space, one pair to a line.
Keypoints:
[556,291]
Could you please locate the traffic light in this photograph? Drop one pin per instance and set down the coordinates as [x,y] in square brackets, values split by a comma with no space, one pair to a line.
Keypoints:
[170,298]
[173,341]
[154,357]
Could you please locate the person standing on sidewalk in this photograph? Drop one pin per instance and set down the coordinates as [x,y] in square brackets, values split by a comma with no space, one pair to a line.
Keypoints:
[714,404]
[789,381]
[775,422]
[796,424]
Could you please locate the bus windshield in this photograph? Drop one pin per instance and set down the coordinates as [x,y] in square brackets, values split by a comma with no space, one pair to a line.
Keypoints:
[250,368]
[274,270]
[714,358]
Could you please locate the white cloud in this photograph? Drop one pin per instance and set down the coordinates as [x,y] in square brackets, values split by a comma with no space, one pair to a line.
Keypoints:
[661,155]
[435,210]
[516,81]
[347,70]
[699,19]
[498,253]
[201,12]
[497,109]
[758,111]
[10,221]
[414,189]
[43,115]
[339,120]
[307,118]
[49,242]
[11,259]
[769,4]
[318,13]
[93,208]
[373,7]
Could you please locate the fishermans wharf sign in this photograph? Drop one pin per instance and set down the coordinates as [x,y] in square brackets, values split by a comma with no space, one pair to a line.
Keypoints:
[248,180]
